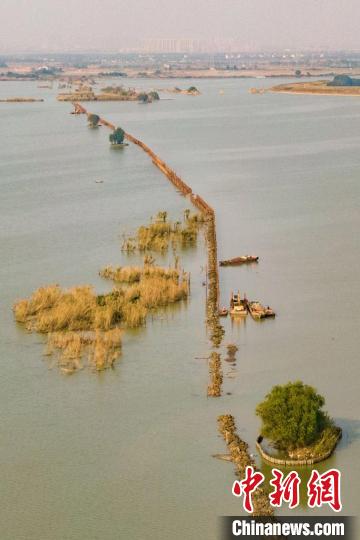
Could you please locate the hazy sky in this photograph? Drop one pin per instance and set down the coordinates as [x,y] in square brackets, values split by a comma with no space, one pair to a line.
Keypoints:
[114,24]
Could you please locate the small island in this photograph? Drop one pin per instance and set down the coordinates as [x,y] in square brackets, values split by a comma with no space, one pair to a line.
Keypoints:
[21,100]
[191,91]
[341,85]
[109,93]
[117,137]
[93,120]
[295,430]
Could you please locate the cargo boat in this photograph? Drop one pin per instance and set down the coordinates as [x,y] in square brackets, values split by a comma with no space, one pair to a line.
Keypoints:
[258,311]
[238,306]
[245,259]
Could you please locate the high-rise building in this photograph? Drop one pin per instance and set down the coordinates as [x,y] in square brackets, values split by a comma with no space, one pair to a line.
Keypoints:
[174,45]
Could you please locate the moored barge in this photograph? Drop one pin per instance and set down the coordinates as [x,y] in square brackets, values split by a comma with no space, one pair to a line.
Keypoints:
[238,305]
[245,259]
[258,311]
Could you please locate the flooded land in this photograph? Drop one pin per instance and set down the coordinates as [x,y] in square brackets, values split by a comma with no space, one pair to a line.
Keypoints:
[127,452]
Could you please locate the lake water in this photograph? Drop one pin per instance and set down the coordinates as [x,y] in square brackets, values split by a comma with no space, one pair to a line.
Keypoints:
[126,454]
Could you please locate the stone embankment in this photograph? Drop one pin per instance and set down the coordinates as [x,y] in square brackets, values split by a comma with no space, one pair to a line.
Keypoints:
[241,458]
[212,303]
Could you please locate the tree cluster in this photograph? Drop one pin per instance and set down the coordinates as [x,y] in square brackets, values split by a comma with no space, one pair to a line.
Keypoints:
[117,136]
[344,80]
[291,415]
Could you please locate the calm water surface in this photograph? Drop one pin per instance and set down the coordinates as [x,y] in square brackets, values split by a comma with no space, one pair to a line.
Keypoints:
[127,453]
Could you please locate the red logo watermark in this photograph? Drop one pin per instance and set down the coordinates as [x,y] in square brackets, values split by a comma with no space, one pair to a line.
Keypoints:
[321,489]
[325,489]
[247,487]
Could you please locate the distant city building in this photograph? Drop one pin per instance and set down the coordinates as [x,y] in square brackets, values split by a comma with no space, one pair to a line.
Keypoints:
[173,45]
[193,46]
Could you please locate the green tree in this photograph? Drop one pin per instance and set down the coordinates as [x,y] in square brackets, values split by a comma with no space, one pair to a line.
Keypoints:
[117,136]
[93,120]
[154,95]
[341,80]
[291,415]
[143,97]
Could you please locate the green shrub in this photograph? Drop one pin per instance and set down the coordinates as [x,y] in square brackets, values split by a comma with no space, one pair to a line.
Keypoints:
[117,136]
[291,415]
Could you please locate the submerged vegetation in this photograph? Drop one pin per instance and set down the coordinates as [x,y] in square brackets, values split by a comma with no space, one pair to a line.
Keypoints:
[232,349]
[101,349]
[76,324]
[134,274]
[149,287]
[161,233]
[78,321]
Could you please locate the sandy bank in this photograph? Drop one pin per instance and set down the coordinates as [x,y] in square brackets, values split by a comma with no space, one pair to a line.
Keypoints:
[319,88]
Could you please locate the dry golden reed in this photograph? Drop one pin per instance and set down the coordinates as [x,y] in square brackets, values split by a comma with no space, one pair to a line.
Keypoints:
[161,234]
[102,349]
[78,321]
[133,274]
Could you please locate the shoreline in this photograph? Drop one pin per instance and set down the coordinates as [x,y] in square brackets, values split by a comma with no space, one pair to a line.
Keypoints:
[312,93]
[21,73]
[315,88]
[21,100]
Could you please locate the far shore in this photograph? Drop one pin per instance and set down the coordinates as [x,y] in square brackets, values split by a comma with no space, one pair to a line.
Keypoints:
[22,72]
[21,100]
[317,88]
[303,93]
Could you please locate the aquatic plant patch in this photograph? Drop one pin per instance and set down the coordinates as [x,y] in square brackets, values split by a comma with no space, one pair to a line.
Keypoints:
[161,234]
[82,324]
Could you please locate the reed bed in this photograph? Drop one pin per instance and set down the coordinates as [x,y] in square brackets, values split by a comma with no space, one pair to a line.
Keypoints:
[79,322]
[239,452]
[231,351]
[100,348]
[158,292]
[216,376]
[134,274]
[51,309]
[149,286]
[161,233]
